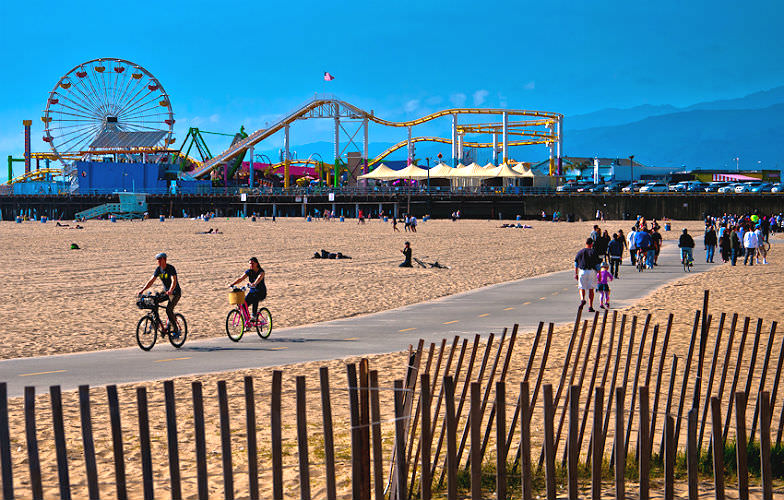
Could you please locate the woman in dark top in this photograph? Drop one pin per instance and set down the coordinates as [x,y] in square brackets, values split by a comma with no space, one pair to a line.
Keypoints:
[257,290]
[724,245]
[710,243]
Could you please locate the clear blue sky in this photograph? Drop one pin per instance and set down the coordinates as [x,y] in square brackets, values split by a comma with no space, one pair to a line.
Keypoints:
[232,63]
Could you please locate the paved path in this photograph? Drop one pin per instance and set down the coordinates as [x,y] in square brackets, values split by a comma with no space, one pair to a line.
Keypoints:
[549,298]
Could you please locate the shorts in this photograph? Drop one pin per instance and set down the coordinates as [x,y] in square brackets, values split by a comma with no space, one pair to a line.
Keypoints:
[603,287]
[586,279]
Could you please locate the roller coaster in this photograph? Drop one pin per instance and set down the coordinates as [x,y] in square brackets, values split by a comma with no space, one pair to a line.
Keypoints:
[542,127]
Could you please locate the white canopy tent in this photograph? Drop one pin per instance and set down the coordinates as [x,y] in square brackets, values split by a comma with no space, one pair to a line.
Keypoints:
[381,172]
[441,171]
[412,172]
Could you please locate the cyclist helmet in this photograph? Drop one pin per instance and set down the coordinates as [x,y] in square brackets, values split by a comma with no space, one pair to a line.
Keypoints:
[161,255]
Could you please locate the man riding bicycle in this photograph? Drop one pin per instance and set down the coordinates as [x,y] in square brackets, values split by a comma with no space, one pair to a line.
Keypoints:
[171,286]
[686,244]
[644,244]
[257,290]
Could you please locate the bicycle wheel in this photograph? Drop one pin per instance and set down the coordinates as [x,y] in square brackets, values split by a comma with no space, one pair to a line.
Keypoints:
[235,325]
[182,326]
[264,323]
[146,333]
[766,247]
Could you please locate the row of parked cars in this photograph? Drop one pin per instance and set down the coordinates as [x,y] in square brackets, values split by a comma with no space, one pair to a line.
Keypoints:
[679,187]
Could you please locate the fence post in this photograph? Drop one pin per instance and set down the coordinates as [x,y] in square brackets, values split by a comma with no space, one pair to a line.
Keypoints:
[32,445]
[277,440]
[685,384]
[692,452]
[643,442]
[442,434]
[659,380]
[549,448]
[620,447]
[736,374]
[668,406]
[117,441]
[500,436]
[364,423]
[741,450]
[451,438]
[595,372]
[525,442]
[716,349]
[172,442]
[426,482]
[633,396]
[329,443]
[302,440]
[5,445]
[763,374]
[476,442]
[225,431]
[765,461]
[753,361]
[669,457]
[144,442]
[572,442]
[627,367]
[400,441]
[718,449]
[250,425]
[59,441]
[774,391]
[608,406]
[597,443]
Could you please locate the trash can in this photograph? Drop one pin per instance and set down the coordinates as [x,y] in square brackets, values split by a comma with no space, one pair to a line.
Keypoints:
[18,220]
[518,218]
[162,218]
[667,226]
[43,219]
[342,219]
[308,218]
[113,218]
[386,219]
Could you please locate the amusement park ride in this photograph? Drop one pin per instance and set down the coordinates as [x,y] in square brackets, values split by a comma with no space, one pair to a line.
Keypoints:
[111,109]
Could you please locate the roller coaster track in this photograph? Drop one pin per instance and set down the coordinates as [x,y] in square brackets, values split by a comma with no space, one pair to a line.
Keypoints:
[331,107]
[36,175]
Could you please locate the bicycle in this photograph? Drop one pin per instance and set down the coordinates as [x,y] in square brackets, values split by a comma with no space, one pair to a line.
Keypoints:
[238,320]
[150,324]
[687,262]
[640,260]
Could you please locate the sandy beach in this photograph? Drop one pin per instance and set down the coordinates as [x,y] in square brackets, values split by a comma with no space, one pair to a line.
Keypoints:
[94,281]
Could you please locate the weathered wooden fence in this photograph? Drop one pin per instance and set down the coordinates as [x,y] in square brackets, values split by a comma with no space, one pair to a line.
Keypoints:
[429,430]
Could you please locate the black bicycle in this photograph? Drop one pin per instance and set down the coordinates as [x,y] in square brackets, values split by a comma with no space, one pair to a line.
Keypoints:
[150,324]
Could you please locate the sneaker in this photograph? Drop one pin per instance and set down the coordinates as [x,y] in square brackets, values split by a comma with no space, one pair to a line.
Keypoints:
[175,334]
[607,305]
[591,309]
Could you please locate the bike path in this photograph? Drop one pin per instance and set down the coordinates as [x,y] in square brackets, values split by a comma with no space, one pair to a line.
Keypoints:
[549,298]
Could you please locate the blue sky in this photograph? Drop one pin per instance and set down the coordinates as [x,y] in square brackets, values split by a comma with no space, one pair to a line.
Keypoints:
[227,64]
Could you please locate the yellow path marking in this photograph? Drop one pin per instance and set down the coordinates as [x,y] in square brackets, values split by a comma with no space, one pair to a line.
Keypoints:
[555,293]
[508,308]
[41,373]
[567,288]
[526,303]
[172,359]
[483,315]
[542,298]
[278,348]
[352,338]
[450,322]
[407,329]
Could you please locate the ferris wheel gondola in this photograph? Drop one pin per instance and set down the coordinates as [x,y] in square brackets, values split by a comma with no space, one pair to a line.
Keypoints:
[106,95]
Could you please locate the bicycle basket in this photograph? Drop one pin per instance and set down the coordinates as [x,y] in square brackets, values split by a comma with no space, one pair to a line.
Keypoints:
[237,297]
[146,302]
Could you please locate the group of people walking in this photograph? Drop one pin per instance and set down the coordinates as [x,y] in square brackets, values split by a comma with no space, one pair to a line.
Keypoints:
[739,236]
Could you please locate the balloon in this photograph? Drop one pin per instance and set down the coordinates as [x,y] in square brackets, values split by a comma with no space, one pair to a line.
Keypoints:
[754,218]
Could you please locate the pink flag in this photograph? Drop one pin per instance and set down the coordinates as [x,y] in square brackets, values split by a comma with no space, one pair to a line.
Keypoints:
[328,77]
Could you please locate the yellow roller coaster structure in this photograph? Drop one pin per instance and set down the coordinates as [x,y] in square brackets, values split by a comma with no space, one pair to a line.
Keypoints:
[331,107]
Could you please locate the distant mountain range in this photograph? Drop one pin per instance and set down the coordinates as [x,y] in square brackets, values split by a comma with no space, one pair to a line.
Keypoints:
[704,135]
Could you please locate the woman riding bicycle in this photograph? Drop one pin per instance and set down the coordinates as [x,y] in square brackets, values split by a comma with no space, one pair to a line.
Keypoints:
[257,290]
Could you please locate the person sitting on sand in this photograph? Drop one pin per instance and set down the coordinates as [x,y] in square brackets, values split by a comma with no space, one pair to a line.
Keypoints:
[407,254]
[257,290]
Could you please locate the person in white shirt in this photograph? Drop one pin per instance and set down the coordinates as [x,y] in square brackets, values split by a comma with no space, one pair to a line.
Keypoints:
[632,246]
[750,243]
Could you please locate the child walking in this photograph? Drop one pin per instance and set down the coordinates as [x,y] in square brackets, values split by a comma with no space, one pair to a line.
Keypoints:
[603,278]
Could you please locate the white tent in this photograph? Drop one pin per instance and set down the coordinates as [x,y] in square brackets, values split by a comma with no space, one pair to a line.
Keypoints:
[381,172]
[441,171]
[412,172]
[520,167]
[503,170]
[472,171]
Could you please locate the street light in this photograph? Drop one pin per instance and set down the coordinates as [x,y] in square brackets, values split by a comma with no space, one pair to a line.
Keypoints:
[631,173]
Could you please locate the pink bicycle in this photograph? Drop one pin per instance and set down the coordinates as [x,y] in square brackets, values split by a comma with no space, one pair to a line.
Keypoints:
[238,320]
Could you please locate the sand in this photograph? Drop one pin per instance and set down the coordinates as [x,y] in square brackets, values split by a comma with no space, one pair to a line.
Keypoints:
[85,299]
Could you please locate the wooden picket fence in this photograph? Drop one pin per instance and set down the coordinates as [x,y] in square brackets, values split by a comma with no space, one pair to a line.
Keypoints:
[440,422]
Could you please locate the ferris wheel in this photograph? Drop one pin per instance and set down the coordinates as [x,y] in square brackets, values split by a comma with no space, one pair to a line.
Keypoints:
[107,95]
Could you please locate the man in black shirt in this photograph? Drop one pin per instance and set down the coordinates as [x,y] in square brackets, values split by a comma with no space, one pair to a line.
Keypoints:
[171,286]
[407,254]
[585,263]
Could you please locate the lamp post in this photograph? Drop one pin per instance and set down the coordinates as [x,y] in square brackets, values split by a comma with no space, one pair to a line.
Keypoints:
[631,173]
[427,159]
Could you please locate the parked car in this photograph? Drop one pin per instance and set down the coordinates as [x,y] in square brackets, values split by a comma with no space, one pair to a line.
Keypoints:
[729,188]
[765,187]
[569,187]
[777,188]
[686,186]
[654,187]
[746,187]
[714,186]
[633,186]
[697,187]
[615,187]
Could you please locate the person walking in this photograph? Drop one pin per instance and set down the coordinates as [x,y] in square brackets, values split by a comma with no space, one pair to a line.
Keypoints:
[632,245]
[750,243]
[615,251]
[585,264]
[603,285]
[734,245]
[710,243]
